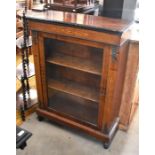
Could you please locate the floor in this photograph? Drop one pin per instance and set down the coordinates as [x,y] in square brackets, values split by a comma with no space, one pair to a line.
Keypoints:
[52,139]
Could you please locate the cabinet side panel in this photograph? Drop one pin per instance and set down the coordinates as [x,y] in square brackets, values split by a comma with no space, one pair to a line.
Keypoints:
[120,78]
[115,81]
[129,84]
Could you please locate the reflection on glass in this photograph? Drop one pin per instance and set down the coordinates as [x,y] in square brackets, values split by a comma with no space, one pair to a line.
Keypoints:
[73,73]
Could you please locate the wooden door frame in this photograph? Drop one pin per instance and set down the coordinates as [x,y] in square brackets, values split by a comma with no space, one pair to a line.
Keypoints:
[105,65]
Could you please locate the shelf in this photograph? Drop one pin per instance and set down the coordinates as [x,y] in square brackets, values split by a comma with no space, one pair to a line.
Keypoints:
[74,89]
[30,72]
[75,63]
[79,109]
[33,99]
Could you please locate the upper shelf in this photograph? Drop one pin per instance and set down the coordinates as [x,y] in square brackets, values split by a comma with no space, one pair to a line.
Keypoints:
[96,23]
[76,63]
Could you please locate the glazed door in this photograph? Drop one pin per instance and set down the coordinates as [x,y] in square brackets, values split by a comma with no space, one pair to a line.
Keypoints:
[73,73]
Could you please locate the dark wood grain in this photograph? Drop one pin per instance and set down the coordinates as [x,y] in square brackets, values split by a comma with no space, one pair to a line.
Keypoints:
[76,32]
[74,89]
[81,20]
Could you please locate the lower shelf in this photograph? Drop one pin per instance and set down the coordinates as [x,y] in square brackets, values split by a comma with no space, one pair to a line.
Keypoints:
[74,89]
[77,108]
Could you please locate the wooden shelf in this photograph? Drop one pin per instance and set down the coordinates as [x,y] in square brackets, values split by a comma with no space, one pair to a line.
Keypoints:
[74,89]
[79,109]
[76,63]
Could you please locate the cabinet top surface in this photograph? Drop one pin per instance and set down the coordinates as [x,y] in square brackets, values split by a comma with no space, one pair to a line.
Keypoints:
[97,23]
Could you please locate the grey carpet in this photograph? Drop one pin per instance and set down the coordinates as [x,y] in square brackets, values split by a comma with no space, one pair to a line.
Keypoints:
[52,139]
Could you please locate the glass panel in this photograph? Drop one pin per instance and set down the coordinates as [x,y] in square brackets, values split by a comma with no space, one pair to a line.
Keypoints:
[75,107]
[73,73]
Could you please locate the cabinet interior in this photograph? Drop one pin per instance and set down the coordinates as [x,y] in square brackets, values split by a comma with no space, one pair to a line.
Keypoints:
[73,74]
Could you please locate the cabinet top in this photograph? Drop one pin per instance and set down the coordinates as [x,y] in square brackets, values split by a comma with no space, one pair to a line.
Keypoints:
[96,23]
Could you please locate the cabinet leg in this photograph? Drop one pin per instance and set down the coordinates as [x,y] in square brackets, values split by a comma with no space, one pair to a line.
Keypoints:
[40,118]
[106,145]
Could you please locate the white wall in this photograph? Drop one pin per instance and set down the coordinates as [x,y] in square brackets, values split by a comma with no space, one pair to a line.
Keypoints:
[129,9]
[101,2]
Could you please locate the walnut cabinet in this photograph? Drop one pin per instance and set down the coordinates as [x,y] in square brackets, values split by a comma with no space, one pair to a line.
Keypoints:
[80,68]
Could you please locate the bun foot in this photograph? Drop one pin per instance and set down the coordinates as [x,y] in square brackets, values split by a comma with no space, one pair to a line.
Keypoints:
[40,118]
[106,145]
